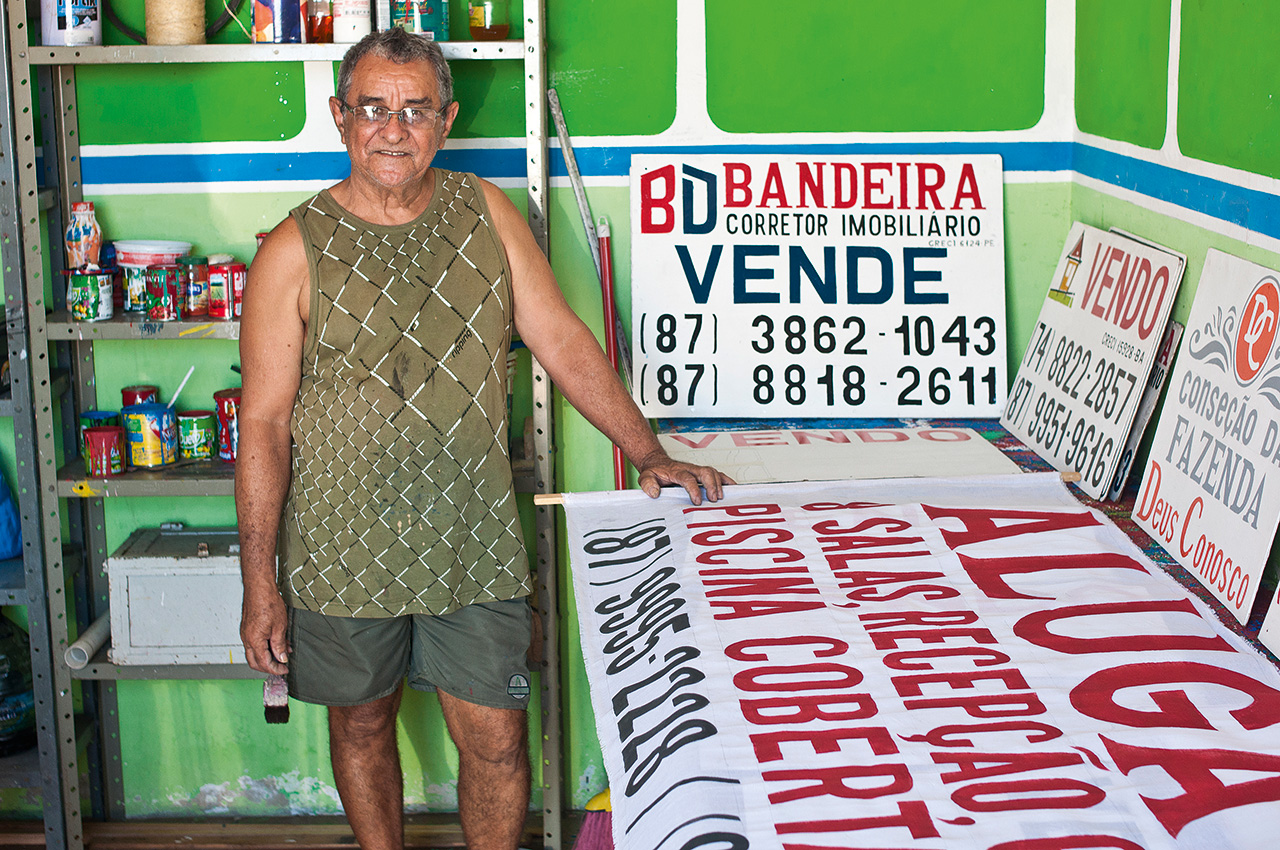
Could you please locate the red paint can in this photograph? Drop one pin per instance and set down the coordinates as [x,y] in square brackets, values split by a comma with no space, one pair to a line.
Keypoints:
[220,298]
[106,448]
[228,406]
[164,293]
[194,273]
[139,394]
[239,276]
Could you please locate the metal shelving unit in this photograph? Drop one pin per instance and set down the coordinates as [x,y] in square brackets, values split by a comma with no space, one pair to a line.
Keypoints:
[62,369]
[23,579]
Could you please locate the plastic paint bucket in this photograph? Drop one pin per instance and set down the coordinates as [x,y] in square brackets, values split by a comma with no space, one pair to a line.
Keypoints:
[153,434]
[104,450]
[95,419]
[89,295]
[197,434]
[139,394]
[149,252]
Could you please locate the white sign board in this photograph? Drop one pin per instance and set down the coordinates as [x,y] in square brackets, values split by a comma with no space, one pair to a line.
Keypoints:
[1204,496]
[1087,363]
[782,286]
[969,664]
[833,454]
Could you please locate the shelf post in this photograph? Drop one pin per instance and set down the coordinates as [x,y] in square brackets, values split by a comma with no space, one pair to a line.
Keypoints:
[34,439]
[535,96]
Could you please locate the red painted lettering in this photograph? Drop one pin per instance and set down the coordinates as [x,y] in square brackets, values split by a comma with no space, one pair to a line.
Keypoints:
[657,215]
[1035,628]
[1095,696]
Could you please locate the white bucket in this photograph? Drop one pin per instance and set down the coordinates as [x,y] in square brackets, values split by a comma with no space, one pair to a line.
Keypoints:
[149,252]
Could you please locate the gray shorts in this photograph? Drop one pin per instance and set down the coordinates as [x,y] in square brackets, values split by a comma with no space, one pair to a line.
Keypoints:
[476,654]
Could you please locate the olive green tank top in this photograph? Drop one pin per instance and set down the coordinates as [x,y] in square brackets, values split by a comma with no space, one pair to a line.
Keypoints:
[401,499]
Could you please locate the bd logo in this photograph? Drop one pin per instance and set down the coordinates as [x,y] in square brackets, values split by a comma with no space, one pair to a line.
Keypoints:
[1257,330]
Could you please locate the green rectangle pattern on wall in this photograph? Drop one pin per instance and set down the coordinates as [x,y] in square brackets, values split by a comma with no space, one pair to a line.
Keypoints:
[1227,81]
[874,65]
[1122,69]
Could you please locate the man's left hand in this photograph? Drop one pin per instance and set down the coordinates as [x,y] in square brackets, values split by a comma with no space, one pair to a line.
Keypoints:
[655,471]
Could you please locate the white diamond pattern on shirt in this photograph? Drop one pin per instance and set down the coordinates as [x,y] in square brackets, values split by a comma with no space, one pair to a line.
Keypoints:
[401,499]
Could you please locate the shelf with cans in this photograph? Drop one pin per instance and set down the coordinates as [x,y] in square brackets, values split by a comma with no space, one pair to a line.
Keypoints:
[65,382]
[145,286]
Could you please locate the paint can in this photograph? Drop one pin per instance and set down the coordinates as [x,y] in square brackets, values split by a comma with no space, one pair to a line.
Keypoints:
[139,394]
[153,434]
[228,405]
[220,296]
[352,20]
[424,17]
[239,277]
[89,296]
[135,288]
[197,434]
[277,21]
[104,451]
[194,272]
[164,293]
[70,22]
[95,419]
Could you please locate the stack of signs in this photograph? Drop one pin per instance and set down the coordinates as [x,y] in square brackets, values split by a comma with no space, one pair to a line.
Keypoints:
[783,286]
[1204,496]
[1086,367]
[1155,385]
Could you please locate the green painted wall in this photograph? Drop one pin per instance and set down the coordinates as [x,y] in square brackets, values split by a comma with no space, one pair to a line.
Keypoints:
[614,85]
[1122,69]
[874,65]
[1227,81]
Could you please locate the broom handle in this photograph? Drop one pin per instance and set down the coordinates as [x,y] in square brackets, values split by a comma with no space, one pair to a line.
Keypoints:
[610,331]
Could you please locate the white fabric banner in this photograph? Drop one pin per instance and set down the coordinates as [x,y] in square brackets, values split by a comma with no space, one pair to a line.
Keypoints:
[932,663]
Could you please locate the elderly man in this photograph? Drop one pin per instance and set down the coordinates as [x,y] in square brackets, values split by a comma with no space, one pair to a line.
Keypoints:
[373,447]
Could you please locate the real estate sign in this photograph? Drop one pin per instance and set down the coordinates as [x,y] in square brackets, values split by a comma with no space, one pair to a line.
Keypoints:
[780,286]
[1204,493]
[1086,366]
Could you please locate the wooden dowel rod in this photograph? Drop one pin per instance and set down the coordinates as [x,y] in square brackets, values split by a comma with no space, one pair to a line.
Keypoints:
[1069,476]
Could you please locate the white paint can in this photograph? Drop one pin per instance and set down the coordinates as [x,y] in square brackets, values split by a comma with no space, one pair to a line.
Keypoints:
[70,22]
[352,20]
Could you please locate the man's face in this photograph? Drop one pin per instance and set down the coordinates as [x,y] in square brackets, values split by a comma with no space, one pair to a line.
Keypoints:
[394,154]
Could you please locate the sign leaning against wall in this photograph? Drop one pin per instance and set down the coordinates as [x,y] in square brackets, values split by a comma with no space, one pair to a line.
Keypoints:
[1090,354]
[767,286]
[1204,496]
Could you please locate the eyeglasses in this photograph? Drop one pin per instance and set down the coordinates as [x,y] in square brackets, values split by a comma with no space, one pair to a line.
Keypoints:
[378,116]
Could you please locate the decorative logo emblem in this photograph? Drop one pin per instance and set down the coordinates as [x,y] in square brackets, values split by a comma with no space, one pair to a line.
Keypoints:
[518,687]
[1257,332]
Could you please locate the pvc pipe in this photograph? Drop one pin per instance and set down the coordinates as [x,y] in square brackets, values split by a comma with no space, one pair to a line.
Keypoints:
[79,653]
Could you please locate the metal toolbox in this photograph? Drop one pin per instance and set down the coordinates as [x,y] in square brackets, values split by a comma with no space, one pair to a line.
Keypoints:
[175,597]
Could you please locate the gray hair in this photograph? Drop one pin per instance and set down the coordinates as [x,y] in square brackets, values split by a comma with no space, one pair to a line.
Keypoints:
[400,47]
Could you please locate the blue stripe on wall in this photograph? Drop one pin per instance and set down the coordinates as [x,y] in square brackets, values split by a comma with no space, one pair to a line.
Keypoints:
[1249,208]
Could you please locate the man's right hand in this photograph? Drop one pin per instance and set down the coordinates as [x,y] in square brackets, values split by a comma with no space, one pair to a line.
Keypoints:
[263,622]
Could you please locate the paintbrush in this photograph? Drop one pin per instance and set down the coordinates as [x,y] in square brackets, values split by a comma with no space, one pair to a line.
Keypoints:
[275,699]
